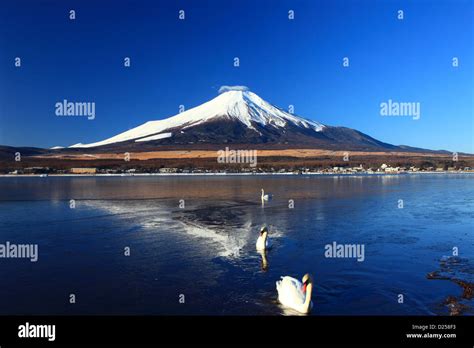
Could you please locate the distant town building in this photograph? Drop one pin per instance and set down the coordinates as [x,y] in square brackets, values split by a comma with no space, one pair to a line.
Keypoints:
[83,170]
[168,170]
[35,170]
[391,170]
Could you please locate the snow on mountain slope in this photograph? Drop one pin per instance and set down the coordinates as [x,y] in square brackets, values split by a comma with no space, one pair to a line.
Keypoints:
[77,145]
[234,103]
[156,137]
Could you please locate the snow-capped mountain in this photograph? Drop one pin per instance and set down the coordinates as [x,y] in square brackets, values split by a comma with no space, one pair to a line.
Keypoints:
[234,103]
[236,116]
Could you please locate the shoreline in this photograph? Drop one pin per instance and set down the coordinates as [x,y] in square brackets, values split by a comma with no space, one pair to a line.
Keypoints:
[230,174]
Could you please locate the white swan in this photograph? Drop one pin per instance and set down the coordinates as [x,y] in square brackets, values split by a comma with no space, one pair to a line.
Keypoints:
[263,242]
[294,294]
[266,197]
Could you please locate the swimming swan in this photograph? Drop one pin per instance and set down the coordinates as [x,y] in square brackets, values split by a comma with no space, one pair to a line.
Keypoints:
[294,294]
[263,242]
[266,197]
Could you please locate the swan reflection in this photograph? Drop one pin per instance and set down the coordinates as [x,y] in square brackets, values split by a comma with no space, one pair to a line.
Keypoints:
[264,263]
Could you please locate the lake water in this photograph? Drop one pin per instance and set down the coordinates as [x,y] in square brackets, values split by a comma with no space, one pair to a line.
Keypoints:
[206,250]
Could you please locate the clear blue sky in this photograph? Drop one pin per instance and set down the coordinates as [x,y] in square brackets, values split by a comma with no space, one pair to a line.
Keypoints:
[286,62]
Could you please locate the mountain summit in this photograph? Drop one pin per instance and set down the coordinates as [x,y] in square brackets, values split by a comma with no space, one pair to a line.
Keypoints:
[238,116]
[233,104]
